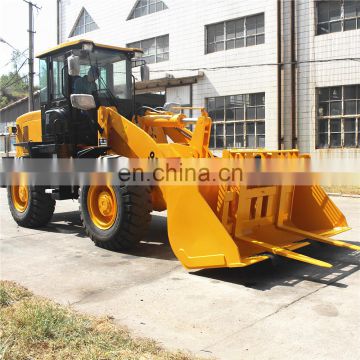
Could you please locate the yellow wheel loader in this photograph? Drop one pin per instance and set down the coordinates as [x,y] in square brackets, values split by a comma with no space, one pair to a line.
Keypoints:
[88,110]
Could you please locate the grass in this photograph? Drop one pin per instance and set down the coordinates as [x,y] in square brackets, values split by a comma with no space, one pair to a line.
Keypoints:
[32,328]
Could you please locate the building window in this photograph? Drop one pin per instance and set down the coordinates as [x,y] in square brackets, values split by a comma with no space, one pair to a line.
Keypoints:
[246,31]
[337,15]
[155,49]
[338,122]
[238,121]
[146,7]
[84,24]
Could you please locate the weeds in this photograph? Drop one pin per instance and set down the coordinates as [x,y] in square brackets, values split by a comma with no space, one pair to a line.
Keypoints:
[35,328]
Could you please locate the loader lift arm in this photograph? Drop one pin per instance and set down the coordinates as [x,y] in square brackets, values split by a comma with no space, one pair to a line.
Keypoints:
[206,242]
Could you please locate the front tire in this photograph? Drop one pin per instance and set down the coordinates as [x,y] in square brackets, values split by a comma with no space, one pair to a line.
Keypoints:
[115,217]
[30,207]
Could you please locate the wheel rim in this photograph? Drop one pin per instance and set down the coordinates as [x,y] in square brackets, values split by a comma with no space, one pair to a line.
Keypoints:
[102,206]
[20,197]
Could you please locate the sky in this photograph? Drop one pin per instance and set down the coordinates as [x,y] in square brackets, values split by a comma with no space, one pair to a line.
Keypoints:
[14,21]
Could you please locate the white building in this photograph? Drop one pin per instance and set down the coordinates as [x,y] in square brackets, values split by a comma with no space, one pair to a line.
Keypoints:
[272,73]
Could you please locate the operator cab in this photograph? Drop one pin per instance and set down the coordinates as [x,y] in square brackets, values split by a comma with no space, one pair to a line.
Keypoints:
[70,95]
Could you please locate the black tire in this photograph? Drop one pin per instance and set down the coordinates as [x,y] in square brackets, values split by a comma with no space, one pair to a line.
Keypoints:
[39,211]
[132,219]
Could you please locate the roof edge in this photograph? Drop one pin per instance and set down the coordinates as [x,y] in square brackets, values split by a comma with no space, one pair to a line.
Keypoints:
[81,41]
[17,102]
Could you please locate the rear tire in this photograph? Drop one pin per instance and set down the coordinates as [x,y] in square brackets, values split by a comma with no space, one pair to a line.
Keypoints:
[33,210]
[121,221]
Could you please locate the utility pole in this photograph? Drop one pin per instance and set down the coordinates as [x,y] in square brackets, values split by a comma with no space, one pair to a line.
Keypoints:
[31,53]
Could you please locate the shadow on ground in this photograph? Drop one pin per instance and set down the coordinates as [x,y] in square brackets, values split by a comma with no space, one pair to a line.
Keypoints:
[262,276]
[66,223]
[155,245]
[283,272]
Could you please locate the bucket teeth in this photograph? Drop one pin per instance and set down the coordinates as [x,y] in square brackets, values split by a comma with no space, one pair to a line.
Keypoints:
[320,238]
[286,253]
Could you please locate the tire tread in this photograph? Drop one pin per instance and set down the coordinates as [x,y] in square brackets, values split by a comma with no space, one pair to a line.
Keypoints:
[137,207]
[42,207]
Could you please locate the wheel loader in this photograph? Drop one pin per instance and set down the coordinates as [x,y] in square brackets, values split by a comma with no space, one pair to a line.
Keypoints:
[208,226]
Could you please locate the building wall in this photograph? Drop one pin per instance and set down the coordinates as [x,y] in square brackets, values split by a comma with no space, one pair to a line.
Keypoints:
[323,73]
[185,23]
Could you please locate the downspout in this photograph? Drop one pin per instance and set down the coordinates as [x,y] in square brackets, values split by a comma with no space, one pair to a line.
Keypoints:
[58,21]
[279,74]
[293,78]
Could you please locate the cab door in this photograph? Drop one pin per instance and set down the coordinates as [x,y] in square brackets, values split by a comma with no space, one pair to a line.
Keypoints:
[55,107]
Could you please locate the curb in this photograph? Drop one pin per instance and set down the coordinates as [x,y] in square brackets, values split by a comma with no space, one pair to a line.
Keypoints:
[354,196]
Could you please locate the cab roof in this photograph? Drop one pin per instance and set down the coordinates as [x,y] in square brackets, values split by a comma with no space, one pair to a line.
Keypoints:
[76,44]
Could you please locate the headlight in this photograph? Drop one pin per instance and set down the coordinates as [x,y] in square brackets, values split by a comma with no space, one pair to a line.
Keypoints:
[82,101]
[138,55]
[88,47]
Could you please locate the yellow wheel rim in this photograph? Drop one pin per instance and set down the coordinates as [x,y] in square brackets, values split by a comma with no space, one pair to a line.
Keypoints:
[102,206]
[20,197]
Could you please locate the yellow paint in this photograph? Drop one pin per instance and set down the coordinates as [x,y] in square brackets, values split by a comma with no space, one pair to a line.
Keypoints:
[65,45]
[28,128]
[225,226]
[20,197]
[103,206]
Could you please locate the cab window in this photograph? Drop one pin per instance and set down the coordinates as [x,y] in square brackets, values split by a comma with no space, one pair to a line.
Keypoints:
[43,80]
[122,85]
[57,76]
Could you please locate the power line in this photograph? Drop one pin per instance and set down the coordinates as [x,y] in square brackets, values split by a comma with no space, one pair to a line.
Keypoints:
[16,81]
[260,65]
[20,54]
[9,83]
[33,4]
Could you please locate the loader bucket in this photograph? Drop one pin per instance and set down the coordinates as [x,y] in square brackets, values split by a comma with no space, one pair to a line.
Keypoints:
[249,223]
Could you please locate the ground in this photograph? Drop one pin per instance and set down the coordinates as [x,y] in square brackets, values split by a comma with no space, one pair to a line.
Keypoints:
[260,312]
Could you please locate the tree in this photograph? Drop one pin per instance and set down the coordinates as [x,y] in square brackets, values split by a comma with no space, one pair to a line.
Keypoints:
[3,101]
[14,85]
[17,57]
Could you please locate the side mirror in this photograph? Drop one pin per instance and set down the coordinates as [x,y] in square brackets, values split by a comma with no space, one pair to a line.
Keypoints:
[82,101]
[145,72]
[73,65]
[144,68]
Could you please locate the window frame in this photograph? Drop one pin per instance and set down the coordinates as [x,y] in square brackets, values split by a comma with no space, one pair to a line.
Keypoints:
[44,96]
[330,119]
[245,36]
[343,19]
[83,13]
[60,79]
[148,5]
[241,103]
[139,44]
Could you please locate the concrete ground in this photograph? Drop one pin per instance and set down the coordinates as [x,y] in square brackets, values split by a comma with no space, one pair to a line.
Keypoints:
[291,310]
